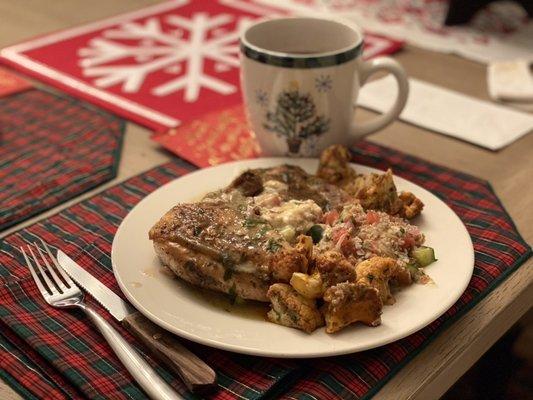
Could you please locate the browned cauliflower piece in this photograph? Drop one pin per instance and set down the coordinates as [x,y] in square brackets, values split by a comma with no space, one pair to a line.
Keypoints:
[348,302]
[375,192]
[291,309]
[411,205]
[401,276]
[334,268]
[286,262]
[334,166]
[376,272]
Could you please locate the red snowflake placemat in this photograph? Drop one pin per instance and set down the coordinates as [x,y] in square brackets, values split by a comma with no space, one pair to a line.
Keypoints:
[160,65]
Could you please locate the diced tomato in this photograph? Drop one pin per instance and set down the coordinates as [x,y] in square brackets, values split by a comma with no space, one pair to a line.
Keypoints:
[347,246]
[408,242]
[331,217]
[341,240]
[372,217]
[338,233]
[349,225]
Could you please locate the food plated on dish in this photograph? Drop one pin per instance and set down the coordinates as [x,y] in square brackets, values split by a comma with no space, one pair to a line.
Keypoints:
[326,249]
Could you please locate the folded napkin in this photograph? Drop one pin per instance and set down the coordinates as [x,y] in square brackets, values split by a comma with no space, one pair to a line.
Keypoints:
[58,354]
[510,80]
[451,113]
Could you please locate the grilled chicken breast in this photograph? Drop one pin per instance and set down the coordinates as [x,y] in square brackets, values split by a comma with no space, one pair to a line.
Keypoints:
[228,243]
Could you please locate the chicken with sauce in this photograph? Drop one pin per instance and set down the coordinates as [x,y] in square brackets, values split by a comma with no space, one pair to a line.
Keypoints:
[322,250]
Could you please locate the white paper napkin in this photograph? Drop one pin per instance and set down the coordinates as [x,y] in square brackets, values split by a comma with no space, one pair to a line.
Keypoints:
[510,80]
[452,113]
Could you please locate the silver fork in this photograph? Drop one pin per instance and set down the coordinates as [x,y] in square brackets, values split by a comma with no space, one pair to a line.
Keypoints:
[64,293]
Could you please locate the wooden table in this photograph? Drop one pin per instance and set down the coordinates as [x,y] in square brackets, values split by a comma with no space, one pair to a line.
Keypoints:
[510,170]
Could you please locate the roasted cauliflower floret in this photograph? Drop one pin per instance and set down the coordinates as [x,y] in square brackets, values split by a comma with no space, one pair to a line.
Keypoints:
[411,205]
[310,286]
[286,262]
[334,268]
[401,276]
[376,272]
[375,192]
[291,309]
[334,166]
[347,303]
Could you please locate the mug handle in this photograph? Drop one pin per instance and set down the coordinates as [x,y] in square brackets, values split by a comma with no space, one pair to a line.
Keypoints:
[370,67]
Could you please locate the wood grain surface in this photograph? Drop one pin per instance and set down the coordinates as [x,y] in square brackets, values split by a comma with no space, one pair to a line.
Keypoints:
[510,170]
[196,374]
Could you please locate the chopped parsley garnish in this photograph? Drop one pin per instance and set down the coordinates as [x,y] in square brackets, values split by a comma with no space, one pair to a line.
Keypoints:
[227,261]
[273,246]
[228,272]
[251,222]
[232,294]
[197,230]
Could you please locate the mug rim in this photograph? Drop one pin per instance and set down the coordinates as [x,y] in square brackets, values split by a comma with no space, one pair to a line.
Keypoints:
[296,60]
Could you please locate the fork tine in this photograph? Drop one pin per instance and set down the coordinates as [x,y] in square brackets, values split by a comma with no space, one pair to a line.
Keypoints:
[58,282]
[64,275]
[47,280]
[44,291]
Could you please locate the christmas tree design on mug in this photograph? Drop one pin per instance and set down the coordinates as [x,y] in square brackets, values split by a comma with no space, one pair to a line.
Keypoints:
[295,118]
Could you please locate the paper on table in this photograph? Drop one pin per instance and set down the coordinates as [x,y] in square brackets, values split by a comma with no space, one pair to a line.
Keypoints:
[452,113]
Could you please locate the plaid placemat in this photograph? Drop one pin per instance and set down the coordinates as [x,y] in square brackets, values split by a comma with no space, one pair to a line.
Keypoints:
[64,345]
[52,148]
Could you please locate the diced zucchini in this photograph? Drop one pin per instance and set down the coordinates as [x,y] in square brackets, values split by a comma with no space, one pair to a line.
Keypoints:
[424,256]
[413,270]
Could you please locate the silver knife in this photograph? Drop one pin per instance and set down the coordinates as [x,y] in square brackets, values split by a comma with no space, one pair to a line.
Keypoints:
[196,374]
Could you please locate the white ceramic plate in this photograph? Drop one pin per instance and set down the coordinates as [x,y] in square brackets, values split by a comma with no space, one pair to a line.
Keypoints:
[179,308]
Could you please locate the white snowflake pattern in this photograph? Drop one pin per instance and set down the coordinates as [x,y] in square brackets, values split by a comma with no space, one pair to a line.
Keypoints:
[156,47]
[323,83]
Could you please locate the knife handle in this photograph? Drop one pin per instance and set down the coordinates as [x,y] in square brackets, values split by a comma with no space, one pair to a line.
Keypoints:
[195,373]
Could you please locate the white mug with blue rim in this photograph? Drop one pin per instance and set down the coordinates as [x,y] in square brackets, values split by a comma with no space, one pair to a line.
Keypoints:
[300,79]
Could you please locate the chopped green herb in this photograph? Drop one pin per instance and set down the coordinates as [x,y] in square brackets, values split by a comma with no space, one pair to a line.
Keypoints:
[273,246]
[316,232]
[190,265]
[370,277]
[232,293]
[251,222]
[227,261]
[197,230]
[293,316]
[228,272]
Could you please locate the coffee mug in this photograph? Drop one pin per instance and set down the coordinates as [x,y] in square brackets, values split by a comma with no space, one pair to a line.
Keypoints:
[300,79]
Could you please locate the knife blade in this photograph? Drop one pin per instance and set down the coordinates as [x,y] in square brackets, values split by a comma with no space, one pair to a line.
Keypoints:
[195,373]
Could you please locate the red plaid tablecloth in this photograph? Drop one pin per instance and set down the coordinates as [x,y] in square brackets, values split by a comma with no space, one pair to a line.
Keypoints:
[52,148]
[48,353]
